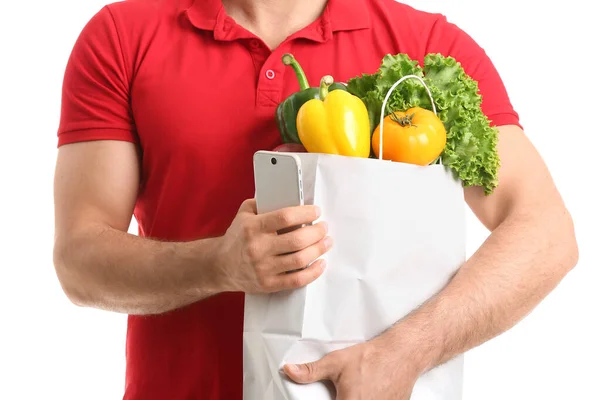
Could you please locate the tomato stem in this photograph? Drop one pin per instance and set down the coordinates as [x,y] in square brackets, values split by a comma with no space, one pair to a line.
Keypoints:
[403,121]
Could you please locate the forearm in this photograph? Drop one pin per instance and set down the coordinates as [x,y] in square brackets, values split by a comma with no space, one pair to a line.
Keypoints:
[113,270]
[520,263]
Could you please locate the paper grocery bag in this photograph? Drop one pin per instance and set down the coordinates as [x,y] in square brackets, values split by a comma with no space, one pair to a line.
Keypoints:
[399,236]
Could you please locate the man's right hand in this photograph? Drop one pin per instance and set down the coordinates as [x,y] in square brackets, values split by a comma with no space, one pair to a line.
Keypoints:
[253,258]
[100,265]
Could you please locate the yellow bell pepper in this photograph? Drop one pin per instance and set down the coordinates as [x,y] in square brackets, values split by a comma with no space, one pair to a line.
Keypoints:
[337,123]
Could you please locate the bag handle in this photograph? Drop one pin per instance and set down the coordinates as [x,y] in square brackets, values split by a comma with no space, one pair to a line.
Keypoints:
[385,100]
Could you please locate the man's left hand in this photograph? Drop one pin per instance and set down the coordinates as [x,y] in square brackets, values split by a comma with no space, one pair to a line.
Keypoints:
[366,371]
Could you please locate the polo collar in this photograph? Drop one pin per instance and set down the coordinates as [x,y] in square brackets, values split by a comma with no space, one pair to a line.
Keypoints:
[339,15]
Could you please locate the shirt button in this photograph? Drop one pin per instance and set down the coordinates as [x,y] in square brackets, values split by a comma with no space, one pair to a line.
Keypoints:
[254,44]
[270,74]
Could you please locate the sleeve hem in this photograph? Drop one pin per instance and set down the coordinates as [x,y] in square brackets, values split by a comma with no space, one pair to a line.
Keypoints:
[86,135]
[505,119]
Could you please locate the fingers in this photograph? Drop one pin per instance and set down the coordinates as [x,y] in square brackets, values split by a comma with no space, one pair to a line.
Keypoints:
[323,369]
[299,239]
[289,217]
[299,278]
[269,256]
[302,258]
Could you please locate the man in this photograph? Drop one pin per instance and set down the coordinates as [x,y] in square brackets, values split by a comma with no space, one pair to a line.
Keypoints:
[164,104]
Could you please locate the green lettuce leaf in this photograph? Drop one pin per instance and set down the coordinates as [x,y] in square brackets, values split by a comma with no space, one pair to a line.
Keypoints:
[470,150]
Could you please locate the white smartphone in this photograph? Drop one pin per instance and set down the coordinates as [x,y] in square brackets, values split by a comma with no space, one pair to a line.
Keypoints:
[278,181]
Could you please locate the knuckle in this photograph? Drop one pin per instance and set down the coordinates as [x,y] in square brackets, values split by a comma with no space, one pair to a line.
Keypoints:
[297,240]
[253,250]
[247,229]
[260,270]
[297,281]
[245,204]
[311,369]
[335,357]
[298,260]
[285,217]
[263,282]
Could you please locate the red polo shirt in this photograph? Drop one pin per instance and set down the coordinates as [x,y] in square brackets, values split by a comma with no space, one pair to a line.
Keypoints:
[198,93]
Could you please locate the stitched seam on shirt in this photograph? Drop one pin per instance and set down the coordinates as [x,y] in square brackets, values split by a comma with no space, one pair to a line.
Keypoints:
[265,100]
[129,76]
[430,34]
[81,130]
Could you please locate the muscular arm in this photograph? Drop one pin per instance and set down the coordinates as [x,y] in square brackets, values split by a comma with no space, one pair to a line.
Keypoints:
[531,248]
[96,181]
[98,263]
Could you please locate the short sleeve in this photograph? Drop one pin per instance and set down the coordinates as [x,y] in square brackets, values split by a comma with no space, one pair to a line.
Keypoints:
[449,40]
[95,95]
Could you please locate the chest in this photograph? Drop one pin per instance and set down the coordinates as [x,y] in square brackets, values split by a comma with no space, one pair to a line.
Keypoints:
[194,97]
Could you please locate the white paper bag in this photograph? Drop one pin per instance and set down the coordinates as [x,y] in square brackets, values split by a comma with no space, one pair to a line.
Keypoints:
[399,236]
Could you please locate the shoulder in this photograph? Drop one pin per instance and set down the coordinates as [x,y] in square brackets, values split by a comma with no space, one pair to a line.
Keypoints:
[423,31]
[147,8]
[135,15]
[126,28]
[405,12]
[404,19]
[419,33]
[132,17]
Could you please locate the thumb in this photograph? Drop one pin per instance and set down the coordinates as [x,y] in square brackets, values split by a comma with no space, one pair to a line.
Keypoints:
[310,372]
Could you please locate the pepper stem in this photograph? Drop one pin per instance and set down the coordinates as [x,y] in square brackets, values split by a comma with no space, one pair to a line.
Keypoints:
[326,81]
[289,59]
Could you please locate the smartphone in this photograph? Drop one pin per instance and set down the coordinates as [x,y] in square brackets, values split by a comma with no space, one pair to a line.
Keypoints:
[278,181]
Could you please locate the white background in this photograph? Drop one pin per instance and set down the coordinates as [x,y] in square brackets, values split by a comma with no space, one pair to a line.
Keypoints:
[544,51]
